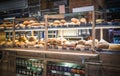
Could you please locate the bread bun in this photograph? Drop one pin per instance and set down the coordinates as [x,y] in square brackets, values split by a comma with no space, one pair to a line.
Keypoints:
[83,20]
[25,22]
[62,21]
[74,20]
[56,22]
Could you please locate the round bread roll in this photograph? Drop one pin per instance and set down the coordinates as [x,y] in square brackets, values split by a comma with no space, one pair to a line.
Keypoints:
[83,20]
[74,20]
[114,47]
[25,22]
[56,22]
[62,21]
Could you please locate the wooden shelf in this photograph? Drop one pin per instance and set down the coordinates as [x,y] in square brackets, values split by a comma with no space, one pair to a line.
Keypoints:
[52,52]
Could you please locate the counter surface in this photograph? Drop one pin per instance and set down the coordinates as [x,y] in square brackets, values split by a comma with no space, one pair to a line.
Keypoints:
[62,52]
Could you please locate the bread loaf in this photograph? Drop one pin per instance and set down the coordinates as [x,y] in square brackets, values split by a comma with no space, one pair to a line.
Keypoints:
[102,44]
[114,47]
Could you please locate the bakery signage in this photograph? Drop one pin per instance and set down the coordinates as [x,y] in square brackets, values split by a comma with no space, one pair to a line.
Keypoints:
[83,9]
[54,16]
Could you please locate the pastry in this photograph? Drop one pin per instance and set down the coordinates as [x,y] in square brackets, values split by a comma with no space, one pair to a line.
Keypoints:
[102,44]
[114,47]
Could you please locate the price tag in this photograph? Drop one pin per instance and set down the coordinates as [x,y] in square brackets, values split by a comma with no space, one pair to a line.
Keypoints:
[67,73]
[77,75]
[53,71]
[62,9]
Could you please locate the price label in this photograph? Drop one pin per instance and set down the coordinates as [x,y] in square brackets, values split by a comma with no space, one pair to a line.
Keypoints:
[62,9]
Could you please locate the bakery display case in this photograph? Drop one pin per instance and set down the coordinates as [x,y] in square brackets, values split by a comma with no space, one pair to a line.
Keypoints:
[75,34]
[41,48]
